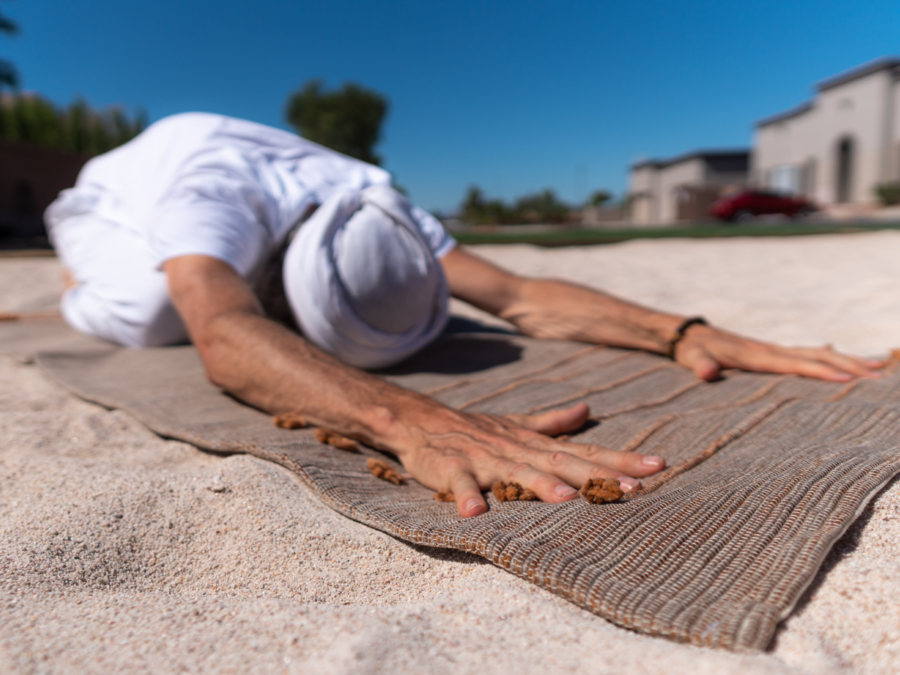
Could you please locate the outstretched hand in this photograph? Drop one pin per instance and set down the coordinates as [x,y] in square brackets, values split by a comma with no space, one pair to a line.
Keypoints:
[707,350]
[547,308]
[478,450]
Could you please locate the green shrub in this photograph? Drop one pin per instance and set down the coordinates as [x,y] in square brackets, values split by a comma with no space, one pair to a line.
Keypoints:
[888,193]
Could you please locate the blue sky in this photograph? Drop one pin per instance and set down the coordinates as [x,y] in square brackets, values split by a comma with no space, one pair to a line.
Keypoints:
[512,96]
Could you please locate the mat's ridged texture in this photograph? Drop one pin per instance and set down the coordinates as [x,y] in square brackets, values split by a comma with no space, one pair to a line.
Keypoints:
[766,472]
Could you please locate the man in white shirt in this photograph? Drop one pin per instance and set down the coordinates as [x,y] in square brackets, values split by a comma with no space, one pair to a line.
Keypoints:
[165,236]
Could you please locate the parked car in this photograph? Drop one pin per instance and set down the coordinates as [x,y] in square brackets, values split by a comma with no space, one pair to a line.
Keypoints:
[748,204]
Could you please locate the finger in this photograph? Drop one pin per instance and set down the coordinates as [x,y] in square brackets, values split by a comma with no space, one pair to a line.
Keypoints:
[700,361]
[576,471]
[469,500]
[554,422]
[772,362]
[590,456]
[849,364]
[547,487]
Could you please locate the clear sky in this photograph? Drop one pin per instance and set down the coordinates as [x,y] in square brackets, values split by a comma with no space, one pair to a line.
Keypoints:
[512,96]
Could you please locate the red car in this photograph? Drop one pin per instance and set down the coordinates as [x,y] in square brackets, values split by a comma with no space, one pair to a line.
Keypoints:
[748,204]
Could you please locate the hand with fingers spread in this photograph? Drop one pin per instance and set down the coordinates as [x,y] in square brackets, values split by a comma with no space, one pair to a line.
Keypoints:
[466,453]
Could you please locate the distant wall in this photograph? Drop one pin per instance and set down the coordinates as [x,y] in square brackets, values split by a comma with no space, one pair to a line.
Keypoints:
[800,153]
[31,177]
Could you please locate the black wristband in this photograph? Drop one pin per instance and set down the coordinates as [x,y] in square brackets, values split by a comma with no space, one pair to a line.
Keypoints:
[681,330]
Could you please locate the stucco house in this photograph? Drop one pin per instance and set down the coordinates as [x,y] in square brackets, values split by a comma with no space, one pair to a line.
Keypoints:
[683,187]
[837,147]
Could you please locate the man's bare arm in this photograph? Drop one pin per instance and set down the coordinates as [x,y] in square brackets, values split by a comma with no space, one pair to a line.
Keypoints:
[272,368]
[557,309]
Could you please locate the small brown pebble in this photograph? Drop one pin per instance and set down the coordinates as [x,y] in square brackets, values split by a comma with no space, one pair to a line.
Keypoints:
[512,492]
[334,438]
[602,490]
[10,316]
[384,471]
[444,496]
[290,421]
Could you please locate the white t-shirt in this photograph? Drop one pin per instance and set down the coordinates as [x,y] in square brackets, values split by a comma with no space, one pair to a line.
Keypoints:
[198,183]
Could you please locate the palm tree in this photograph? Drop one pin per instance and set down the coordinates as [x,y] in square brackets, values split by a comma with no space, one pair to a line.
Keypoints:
[8,73]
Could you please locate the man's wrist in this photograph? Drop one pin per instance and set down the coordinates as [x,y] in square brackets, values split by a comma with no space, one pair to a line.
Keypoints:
[395,424]
[657,330]
[681,331]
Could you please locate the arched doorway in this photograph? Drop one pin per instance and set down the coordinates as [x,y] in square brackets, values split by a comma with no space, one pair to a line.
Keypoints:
[844,187]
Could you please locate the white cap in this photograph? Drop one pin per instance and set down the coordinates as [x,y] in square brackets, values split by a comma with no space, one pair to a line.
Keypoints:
[362,282]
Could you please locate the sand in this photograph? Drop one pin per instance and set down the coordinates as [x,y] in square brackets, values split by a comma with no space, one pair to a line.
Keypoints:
[124,552]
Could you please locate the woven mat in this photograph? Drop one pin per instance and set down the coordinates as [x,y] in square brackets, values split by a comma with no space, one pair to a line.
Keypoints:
[765,472]
[23,339]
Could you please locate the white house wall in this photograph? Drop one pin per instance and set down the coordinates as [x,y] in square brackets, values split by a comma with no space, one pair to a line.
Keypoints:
[654,187]
[643,185]
[792,142]
[866,110]
[857,110]
[689,172]
[894,160]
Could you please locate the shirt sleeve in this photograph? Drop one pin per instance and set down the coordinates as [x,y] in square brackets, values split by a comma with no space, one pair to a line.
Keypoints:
[433,232]
[213,216]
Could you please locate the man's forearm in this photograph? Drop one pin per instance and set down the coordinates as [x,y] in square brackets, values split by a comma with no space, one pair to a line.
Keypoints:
[562,310]
[276,370]
[272,368]
[557,309]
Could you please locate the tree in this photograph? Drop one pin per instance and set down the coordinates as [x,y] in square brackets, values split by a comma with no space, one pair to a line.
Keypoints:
[8,74]
[599,197]
[540,207]
[480,211]
[347,119]
[28,118]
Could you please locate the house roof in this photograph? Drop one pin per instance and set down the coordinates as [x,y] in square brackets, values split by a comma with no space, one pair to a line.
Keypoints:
[885,63]
[786,115]
[696,154]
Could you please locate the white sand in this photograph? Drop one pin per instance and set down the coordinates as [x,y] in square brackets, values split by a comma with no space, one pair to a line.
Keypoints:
[122,552]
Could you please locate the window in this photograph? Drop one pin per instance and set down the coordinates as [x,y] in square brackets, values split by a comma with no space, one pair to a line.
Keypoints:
[784,179]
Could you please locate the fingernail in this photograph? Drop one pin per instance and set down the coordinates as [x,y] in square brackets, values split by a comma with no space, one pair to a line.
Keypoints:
[472,505]
[653,461]
[565,491]
[629,484]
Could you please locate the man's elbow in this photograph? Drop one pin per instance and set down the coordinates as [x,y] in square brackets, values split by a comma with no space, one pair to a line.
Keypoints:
[213,354]
[219,350]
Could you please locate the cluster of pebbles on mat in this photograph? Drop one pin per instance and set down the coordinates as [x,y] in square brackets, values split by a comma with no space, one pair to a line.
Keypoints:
[379,468]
